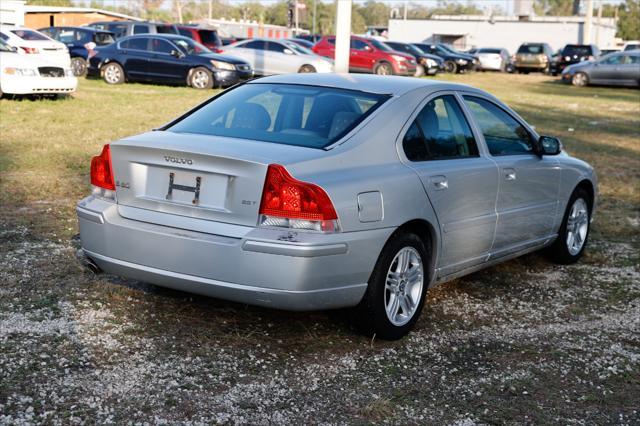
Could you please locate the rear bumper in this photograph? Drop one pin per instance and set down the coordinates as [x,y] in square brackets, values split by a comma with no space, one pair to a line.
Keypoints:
[530,66]
[265,267]
[20,85]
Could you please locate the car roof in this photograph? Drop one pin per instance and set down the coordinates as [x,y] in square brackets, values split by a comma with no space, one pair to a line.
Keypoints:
[87,29]
[392,85]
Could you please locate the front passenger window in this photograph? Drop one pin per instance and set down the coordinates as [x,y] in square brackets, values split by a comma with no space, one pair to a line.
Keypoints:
[503,134]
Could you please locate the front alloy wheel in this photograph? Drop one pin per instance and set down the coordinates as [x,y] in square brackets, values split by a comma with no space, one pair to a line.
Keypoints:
[201,79]
[113,73]
[579,79]
[574,230]
[79,67]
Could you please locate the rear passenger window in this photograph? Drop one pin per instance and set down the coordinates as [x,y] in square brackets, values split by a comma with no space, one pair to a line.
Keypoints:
[503,134]
[440,132]
[135,44]
[140,29]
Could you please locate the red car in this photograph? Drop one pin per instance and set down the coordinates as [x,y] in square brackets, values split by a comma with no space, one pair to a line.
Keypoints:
[205,36]
[370,55]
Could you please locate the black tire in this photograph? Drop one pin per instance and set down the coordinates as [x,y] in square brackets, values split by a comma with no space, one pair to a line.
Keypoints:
[112,73]
[307,69]
[383,68]
[79,66]
[371,315]
[559,251]
[450,67]
[200,78]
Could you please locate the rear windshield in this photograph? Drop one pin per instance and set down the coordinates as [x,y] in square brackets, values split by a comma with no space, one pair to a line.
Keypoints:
[211,37]
[494,51]
[571,50]
[29,35]
[531,48]
[102,39]
[289,114]
[166,29]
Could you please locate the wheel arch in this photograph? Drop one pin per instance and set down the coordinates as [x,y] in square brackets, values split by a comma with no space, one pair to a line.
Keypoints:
[588,187]
[426,231]
[110,60]
[195,67]
[383,62]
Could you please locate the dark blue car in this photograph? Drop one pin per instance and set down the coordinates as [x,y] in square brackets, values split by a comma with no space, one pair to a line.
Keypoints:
[80,41]
[166,58]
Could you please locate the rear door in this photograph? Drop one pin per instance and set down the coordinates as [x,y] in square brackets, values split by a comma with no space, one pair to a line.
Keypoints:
[529,184]
[461,182]
[136,54]
[252,52]
[630,69]
[278,62]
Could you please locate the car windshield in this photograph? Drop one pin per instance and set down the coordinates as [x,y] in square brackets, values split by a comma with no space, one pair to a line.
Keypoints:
[297,48]
[571,50]
[530,48]
[289,114]
[30,35]
[190,47]
[4,47]
[380,45]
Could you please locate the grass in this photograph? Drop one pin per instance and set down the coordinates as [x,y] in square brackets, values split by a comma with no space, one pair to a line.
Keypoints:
[523,342]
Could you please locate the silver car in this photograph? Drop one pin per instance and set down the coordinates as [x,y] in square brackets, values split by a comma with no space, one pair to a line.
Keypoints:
[271,56]
[320,191]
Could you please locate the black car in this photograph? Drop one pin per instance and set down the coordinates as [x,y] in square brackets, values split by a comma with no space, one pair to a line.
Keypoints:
[81,42]
[313,38]
[453,62]
[164,58]
[572,54]
[302,42]
[126,28]
[428,64]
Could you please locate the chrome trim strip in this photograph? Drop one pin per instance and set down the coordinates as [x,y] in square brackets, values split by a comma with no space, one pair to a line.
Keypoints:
[294,250]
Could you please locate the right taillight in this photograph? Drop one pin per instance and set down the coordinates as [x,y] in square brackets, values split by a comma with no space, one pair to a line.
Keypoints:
[291,203]
[101,171]
[29,49]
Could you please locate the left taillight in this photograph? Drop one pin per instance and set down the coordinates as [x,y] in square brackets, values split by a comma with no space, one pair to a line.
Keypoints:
[101,170]
[29,49]
[291,203]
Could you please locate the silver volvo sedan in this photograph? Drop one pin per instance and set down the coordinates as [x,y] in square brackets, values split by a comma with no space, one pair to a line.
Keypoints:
[319,191]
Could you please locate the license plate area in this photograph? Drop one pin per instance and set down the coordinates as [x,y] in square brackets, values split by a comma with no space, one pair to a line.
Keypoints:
[186,187]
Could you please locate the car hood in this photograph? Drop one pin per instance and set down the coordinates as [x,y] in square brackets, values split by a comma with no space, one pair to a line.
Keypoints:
[579,65]
[220,57]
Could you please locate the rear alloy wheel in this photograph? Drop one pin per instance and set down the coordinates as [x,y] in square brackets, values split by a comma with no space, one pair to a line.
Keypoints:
[580,79]
[450,67]
[201,79]
[574,231]
[397,287]
[113,73]
[79,66]
[307,69]
[383,68]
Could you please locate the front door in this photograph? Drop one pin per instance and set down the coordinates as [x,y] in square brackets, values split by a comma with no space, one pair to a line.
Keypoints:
[460,181]
[529,184]
[361,56]
[165,66]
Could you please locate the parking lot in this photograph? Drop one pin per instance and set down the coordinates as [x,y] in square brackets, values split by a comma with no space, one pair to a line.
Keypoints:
[524,342]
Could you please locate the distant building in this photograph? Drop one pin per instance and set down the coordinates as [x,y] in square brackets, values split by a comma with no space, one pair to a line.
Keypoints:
[247,29]
[12,12]
[468,31]
[49,16]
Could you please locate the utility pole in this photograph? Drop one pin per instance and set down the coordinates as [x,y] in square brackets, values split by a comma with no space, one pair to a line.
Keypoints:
[587,23]
[315,13]
[297,19]
[598,23]
[343,35]
[210,14]
[405,10]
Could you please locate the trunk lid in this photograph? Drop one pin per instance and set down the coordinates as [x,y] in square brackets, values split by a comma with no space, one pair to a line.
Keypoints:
[206,178]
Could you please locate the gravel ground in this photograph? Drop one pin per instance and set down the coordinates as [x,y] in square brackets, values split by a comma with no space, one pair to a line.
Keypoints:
[524,342]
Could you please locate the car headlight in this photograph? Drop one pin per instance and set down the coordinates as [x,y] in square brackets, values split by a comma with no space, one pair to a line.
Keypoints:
[399,58]
[25,72]
[223,65]
[461,61]
[68,72]
[431,63]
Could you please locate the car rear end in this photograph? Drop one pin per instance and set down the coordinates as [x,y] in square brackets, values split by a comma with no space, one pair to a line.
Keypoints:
[225,216]
[531,57]
[573,54]
[490,59]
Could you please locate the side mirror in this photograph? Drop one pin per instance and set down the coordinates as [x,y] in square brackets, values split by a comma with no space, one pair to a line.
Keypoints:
[14,49]
[176,54]
[368,48]
[288,52]
[548,145]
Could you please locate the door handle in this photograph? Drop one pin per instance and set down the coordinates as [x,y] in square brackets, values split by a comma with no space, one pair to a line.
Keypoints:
[440,182]
[509,174]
